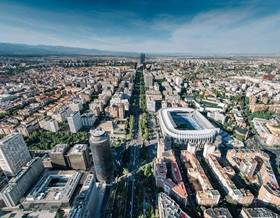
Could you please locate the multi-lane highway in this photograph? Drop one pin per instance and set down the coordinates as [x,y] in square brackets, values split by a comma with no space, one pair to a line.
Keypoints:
[134,147]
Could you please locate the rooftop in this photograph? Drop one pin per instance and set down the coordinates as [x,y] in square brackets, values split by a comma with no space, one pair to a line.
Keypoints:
[30,214]
[54,186]
[78,148]
[8,137]
[259,212]
[169,207]
[218,212]
[60,148]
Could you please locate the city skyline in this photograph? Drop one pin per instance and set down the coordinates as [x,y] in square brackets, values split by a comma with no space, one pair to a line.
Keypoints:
[201,27]
[146,136]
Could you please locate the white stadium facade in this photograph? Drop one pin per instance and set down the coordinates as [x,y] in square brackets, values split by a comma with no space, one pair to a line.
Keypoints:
[186,126]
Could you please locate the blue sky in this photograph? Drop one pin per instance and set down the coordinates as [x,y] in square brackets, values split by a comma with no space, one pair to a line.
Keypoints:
[193,26]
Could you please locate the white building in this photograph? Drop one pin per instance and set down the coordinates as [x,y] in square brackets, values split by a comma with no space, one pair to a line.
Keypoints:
[61,114]
[217,116]
[148,80]
[178,81]
[17,187]
[49,124]
[13,154]
[151,105]
[76,106]
[74,122]
[209,148]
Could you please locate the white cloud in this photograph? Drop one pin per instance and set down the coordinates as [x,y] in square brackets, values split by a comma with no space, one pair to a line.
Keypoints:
[223,31]
[228,31]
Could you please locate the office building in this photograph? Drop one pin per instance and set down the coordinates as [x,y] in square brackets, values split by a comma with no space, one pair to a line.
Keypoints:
[57,156]
[142,58]
[74,122]
[13,154]
[47,162]
[88,120]
[19,185]
[53,190]
[78,157]
[102,155]
[87,203]
[3,179]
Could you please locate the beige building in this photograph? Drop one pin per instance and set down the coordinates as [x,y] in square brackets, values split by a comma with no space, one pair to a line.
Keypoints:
[205,194]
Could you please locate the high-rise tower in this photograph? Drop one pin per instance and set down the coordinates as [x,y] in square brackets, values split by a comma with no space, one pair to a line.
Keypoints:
[102,155]
[14,154]
[142,58]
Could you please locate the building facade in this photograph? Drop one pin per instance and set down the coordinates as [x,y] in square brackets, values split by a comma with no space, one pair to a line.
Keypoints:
[75,122]
[78,157]
[102,155]
[57,156]
[13,154]
[19,185]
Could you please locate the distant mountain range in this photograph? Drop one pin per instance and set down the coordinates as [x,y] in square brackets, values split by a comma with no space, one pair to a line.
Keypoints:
[24,49]
[15,49]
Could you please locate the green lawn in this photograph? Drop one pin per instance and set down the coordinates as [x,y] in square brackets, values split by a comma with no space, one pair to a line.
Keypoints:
[262,115]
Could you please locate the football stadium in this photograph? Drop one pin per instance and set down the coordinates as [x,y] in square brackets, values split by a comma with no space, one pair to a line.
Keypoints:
[186,125]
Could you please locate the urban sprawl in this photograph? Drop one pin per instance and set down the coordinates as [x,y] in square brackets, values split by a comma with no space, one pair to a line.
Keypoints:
[89,136]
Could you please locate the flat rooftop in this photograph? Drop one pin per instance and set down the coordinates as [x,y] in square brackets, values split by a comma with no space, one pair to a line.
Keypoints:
[30,214]
[260,212]
[78,148]
[60,148]
[218,212]
[54,186]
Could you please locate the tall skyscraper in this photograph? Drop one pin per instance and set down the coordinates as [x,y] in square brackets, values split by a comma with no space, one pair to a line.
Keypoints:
[102,155]
[142,58]
[13,154]
[75,122]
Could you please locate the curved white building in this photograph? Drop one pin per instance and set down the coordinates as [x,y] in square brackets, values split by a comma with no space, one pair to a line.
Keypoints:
[186,125]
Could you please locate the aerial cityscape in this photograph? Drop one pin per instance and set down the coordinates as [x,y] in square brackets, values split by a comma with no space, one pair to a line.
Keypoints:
[99,119]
